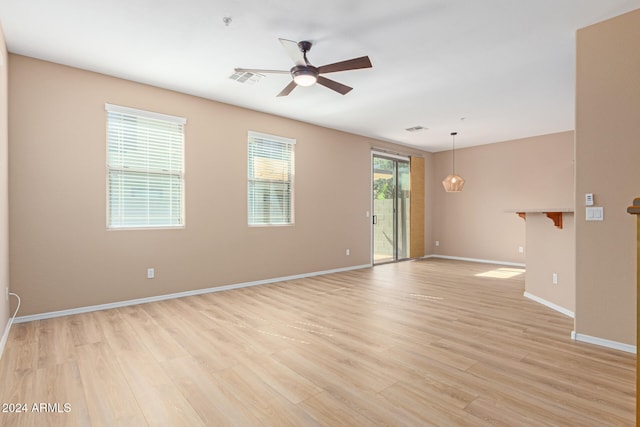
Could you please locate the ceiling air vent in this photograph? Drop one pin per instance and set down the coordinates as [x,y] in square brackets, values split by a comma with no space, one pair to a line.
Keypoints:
[416,129]
[246,77]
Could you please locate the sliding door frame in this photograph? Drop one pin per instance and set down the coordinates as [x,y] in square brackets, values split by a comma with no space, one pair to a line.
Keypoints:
[397,158]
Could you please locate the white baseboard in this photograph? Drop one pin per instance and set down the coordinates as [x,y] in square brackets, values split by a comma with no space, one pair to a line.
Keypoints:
[5,336]
[603,342]
[549,304]
[483,261]
[119,304]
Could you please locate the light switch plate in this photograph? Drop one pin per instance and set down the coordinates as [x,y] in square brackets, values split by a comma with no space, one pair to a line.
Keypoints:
[595,213]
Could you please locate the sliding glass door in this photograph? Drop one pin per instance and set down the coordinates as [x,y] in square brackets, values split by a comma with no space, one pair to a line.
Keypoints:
[391,197]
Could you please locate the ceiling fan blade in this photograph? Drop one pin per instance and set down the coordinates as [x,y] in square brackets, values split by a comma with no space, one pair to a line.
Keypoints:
[287,90]
[334,85]
[254,70]
[349,64]
[293,51]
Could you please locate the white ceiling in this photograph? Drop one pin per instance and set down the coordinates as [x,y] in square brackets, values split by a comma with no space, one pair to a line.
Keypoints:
[506,66]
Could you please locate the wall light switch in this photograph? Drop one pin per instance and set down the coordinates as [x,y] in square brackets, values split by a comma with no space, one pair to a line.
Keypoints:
[595,213]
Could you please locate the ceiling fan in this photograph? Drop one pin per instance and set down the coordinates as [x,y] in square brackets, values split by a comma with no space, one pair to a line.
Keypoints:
[305,74]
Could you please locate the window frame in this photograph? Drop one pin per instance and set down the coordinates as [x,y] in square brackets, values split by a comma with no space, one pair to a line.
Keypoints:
[135,113]
[254,137]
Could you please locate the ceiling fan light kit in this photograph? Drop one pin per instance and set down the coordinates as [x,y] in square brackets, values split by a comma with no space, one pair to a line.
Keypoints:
[305,74]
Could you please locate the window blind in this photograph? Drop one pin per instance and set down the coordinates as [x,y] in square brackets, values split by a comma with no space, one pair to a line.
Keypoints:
[270,183]
[145,169]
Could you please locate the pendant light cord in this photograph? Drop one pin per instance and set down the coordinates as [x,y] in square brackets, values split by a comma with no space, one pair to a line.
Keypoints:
[453,153]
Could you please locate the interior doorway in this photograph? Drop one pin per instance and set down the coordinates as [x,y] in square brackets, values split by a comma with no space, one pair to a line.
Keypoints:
[391,207]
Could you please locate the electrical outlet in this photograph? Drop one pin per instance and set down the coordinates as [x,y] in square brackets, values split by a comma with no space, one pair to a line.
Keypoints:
[554,278]
[520,249]
[348,252]
[437,242]
[151,273]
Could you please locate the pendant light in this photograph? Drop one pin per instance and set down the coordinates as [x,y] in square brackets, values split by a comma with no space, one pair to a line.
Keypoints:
[453,183]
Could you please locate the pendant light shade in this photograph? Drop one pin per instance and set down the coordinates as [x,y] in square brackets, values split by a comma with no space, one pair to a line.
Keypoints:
[453,183]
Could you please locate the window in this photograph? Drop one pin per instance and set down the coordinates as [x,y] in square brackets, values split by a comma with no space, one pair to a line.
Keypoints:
[145,172]
[270,186]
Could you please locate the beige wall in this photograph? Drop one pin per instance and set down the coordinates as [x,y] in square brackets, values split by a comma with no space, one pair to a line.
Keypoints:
[528,173]
[551,250]
[63,257]
[4,188]
[607,155]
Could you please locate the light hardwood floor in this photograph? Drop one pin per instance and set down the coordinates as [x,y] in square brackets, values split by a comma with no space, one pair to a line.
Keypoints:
[415,343]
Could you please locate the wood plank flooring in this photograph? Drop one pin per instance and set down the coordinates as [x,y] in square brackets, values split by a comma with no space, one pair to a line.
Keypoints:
[414,343]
